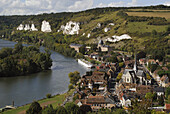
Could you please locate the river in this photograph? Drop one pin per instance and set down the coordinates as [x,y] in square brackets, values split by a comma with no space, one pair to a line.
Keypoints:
[25,89]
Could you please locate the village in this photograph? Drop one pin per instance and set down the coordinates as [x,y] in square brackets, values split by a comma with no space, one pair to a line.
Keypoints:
[118,79]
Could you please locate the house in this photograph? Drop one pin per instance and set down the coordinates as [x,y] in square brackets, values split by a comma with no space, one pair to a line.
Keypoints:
[94,55]
[126,96]
[159,90]
[126,101]
[98,102]
[102,47]
[151,61]
[76,46]
[80,102]
[167,108]
[142,61]
[97,80]
[164,81]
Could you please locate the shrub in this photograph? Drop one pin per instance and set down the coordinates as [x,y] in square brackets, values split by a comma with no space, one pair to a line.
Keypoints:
[34,108]
[48,96]
[70,87]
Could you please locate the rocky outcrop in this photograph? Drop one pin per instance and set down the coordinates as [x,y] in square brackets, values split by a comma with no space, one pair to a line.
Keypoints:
[27,27]
[88,35]
[107,29]
[118,38]
[46,27]
[20,27]
[71,28]
[33,28]
[111,24]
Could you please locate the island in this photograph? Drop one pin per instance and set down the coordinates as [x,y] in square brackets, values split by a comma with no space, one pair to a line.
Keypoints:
[22,60]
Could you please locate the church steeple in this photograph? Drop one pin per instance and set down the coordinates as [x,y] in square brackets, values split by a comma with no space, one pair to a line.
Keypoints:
[135,64]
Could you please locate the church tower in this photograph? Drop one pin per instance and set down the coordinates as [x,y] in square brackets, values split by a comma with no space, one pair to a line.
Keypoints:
[135,64]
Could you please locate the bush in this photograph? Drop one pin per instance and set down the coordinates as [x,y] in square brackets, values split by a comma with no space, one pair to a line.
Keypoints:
[70,87]
[76,96]
[34,108]
[61,110]
[48,96]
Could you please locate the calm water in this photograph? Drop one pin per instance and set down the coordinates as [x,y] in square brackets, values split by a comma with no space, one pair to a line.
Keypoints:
[25,89]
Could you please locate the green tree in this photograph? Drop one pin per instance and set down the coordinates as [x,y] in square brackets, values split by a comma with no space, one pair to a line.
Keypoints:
[168,29]
[76,96]
[72,108]
[74,77]
[82,49]
[119,111]
[119,76]
[169,99]
[49,110]
[61,110]
[85,108]
[141,106]
[70,86]
[141,54]
[153,67]
[149,96]
[18,47]
[112,59]
[34,108]
[148,76]
[154,96]
[167,92]
[121,65]
[79,55]
[48,96]
[161,100]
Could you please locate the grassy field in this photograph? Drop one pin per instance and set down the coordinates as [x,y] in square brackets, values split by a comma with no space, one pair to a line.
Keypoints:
[55,101]
[142,27]
[154,10]
[150,14]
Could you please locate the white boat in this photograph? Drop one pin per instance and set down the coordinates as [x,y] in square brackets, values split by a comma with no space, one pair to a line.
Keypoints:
[85,63]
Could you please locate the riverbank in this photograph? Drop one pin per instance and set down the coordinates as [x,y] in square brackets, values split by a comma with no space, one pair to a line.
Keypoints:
[55,101]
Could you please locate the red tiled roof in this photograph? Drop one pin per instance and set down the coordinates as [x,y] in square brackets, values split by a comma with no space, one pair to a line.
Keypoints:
[165,68]
[167,106]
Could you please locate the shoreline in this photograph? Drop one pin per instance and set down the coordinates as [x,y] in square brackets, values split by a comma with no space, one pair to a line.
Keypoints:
[55,100]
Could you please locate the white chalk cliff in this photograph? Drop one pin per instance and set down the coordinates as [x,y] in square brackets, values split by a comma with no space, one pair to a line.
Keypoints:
[111,24]
[33,28]
[46,27]
[70,28]
[99,25]
[107,29]
[118,38]
[88,35]
[20,27]
[27,27]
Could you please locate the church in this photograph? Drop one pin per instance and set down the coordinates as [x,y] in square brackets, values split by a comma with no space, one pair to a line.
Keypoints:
[135,75]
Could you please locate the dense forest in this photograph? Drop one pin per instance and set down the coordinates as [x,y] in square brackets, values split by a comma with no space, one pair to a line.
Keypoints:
[22,60]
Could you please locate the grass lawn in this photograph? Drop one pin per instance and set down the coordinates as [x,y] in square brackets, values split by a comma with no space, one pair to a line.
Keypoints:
[55,101]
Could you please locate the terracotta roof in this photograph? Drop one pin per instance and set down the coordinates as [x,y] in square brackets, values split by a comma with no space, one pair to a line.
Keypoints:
[96,100]
[167,106]
[164,77]
[165,68]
